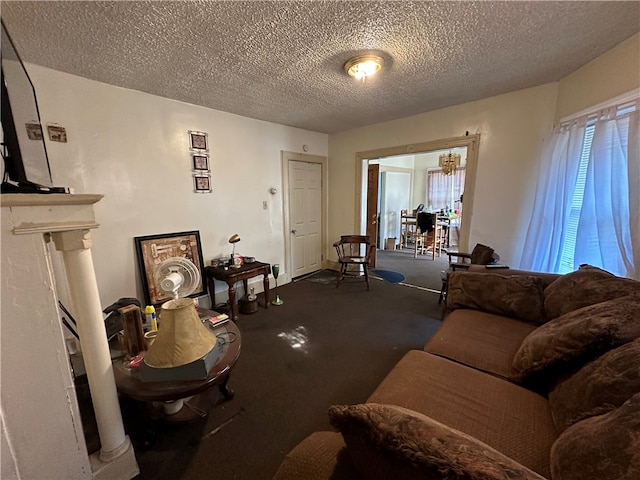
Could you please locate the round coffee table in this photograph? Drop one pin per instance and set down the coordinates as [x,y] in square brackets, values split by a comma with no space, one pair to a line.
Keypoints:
[198,396]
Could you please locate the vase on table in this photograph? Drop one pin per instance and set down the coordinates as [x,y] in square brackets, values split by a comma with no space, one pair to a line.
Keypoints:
[275,269]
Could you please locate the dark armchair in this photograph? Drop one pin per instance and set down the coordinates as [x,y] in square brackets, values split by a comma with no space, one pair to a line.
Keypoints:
[480,255]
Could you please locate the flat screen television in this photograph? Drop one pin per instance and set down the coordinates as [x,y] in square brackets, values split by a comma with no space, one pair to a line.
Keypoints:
[26,164]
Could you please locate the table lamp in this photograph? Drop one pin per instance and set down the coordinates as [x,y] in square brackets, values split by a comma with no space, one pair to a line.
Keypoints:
[184,348]
[235,238]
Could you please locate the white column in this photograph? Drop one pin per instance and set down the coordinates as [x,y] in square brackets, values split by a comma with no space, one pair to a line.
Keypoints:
[76,253]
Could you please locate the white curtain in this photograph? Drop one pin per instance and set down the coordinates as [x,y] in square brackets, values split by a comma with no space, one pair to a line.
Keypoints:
[438,189]
[609,227]
[542,249]
[443,190]
[608,231]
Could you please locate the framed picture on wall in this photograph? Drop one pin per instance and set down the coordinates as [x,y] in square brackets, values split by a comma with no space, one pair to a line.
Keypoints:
[198,141]
[200,162]
[152,250]
[202,183]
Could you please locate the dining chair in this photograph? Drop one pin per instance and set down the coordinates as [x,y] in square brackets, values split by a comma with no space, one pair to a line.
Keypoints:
[354,251]
[407,228]
[428,235]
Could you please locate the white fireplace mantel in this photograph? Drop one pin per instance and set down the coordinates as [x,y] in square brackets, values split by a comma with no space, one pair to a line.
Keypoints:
[42,433]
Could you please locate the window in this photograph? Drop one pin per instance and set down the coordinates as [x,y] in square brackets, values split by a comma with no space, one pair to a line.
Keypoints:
[587,207]
[567,260]
[569,245]
[444,190]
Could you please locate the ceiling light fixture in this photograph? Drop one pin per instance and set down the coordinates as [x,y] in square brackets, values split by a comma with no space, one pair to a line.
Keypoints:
[449,162]
[363,66]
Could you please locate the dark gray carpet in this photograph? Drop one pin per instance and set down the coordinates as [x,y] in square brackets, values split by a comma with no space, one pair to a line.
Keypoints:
[323,346]
[421,272]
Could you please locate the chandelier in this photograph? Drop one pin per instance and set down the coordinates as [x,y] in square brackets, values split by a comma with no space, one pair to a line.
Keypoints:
[448,162]
[363,66]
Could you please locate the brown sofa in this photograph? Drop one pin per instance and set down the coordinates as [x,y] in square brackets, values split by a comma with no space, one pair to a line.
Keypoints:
[530,376]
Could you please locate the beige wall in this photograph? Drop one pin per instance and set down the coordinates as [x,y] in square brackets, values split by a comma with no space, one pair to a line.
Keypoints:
[512,128]
[614,73]
[133,148]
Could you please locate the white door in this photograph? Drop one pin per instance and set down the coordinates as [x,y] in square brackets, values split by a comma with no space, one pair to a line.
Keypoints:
[305,217]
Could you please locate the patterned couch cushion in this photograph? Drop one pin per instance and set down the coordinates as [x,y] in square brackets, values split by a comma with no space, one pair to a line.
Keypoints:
[566,343]
[598,387]
[385,441]
[606,447]
[514,296]
[586,286]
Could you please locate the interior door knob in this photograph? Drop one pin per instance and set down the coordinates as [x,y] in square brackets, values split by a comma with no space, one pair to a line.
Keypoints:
[294,231]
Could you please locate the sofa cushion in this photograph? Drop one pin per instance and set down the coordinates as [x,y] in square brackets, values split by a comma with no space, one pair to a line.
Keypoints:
[515,296]
[598,387]
[568,342]
[320,456]
[480,340]
[475,403]
[606,447]
[586,286]
[385,441]
[546,277]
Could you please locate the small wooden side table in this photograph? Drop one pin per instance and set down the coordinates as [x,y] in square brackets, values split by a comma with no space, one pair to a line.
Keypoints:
[129,384]
[232,275]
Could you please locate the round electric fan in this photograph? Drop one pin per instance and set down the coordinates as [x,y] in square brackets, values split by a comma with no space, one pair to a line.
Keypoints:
[177,276]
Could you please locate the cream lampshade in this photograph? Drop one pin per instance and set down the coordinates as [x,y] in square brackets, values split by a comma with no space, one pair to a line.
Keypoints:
[182,338]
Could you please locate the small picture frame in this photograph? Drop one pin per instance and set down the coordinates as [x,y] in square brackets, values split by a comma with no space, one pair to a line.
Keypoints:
[198,141]
[202,183]
[200,162]
[57,133]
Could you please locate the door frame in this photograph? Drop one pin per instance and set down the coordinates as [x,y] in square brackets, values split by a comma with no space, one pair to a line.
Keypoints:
[471,142]
[286,157]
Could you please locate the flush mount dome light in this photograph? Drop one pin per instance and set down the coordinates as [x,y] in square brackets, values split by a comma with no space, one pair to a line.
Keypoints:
[363,66]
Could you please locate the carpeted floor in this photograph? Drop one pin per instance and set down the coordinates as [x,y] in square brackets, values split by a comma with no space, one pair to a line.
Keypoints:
[421,272]
[321,347]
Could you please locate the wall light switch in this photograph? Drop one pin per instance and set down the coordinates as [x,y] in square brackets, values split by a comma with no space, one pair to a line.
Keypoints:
[264,205]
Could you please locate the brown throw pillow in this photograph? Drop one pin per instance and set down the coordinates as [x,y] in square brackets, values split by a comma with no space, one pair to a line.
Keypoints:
[598,387]
[385,441]
[606,447]
[566,343]
[515,296]
[586,286]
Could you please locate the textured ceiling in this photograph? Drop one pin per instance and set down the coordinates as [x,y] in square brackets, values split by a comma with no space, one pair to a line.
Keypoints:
[281,61]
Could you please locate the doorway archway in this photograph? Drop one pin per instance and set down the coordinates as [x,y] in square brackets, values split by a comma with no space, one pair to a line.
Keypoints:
[367,220]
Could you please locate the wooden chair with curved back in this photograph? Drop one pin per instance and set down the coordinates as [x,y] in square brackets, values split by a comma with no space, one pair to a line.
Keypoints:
[354,251]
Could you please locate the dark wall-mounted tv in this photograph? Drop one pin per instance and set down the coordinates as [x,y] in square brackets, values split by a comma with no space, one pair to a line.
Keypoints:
[26,164]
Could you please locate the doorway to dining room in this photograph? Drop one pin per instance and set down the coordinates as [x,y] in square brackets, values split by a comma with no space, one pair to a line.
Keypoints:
[411,177]
[408,183]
